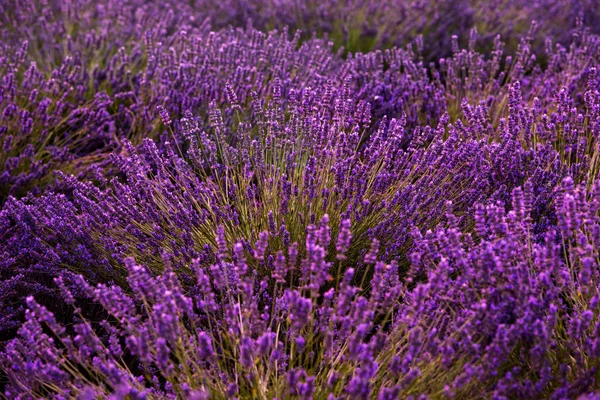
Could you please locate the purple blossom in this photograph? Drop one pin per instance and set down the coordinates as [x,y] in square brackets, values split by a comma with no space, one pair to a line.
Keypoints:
[392,204]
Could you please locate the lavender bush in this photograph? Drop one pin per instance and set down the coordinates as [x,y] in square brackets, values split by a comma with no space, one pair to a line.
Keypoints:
[355,25]
[492,298]
[398,201]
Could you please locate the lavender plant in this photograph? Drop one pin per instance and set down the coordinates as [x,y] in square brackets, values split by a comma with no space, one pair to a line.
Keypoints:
[497,297]
[279,171]
[192,207]
[116,73]
[103,102]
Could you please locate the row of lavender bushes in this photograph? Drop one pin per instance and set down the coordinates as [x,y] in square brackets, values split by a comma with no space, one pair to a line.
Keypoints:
[79,77]
[356,26]
[217,214]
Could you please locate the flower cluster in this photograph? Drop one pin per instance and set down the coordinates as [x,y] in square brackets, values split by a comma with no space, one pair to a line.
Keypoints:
[496,297]
[103,70]
[355,25]
[193,206]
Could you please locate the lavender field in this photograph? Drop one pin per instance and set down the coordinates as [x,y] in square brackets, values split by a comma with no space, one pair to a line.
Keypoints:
[285,199]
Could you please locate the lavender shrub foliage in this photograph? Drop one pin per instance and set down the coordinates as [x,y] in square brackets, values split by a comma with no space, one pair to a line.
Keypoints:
[195,208]
[355,25]
[497,297]
[79,77]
